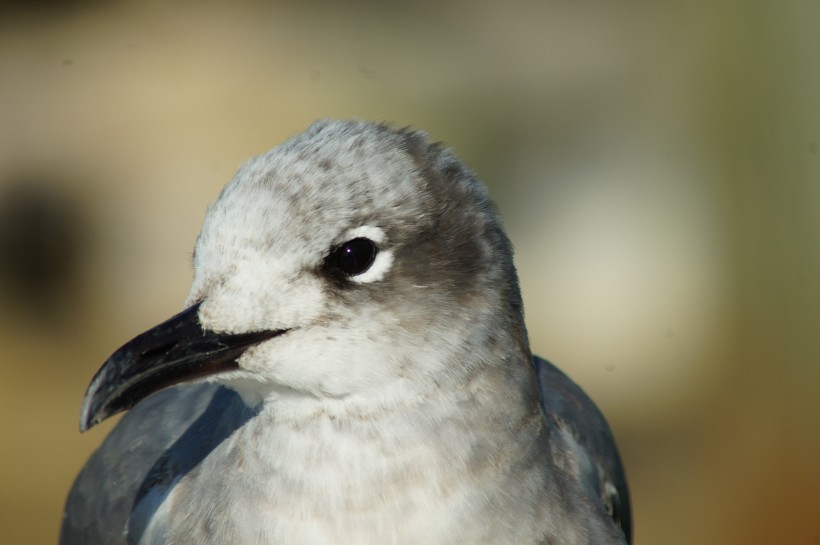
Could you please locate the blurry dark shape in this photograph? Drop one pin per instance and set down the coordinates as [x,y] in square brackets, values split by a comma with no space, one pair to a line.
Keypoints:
[15,12]
[42,239]
[366,72]
[67,62]
[813,147]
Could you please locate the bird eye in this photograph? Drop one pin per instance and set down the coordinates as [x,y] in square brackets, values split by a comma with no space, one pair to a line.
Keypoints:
[355,256]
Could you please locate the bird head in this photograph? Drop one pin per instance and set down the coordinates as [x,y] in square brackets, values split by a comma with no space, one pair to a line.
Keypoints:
[352,258]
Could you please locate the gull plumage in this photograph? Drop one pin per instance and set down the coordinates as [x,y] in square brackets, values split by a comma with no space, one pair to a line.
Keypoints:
[352,366]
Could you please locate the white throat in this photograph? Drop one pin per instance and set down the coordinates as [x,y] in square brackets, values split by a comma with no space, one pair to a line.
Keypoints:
[349,471]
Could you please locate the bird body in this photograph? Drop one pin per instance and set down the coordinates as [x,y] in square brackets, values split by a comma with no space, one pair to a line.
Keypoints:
[352,366]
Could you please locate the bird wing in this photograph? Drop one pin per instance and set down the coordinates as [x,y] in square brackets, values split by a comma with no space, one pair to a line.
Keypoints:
[571,412]
[125,480]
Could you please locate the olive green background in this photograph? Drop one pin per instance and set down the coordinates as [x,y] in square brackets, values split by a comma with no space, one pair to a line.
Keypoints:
[657,165]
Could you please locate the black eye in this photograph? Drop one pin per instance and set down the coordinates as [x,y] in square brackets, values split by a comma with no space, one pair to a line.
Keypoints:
[355,256]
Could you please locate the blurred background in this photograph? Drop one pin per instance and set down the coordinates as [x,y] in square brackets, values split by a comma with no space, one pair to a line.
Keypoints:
[657,165]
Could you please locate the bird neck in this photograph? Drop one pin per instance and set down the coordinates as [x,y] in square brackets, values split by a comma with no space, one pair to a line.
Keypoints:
[454,466]
[411,464]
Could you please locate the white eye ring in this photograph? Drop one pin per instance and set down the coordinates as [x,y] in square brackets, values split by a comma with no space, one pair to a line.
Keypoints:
[384,259]
[376,234]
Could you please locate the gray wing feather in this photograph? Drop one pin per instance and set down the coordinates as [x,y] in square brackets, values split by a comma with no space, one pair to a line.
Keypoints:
[159,440]
[570,410]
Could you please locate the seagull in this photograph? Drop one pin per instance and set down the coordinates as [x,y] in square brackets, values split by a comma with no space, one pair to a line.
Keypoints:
[351,367]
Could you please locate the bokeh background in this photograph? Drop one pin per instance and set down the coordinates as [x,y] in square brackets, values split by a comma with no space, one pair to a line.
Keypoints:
[657,165]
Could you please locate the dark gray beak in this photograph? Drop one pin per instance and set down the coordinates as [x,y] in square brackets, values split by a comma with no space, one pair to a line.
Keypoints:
[175,351]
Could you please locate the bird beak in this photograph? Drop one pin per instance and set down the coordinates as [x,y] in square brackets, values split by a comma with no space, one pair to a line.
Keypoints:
[175,351]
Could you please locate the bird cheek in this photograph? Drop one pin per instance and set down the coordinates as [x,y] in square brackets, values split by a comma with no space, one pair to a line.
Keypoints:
[238,306]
